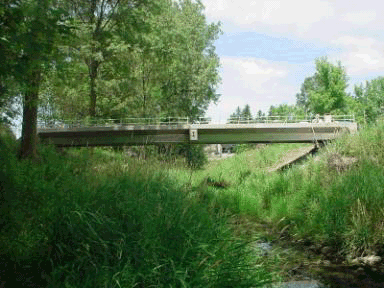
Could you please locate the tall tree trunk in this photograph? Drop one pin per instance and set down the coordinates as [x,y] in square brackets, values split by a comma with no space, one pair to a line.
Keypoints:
[93,67]
[29,129]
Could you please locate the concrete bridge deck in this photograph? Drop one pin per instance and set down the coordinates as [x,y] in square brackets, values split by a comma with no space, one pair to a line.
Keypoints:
[115,135]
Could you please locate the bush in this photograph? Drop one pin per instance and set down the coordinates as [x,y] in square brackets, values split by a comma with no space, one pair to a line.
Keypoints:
[195,156]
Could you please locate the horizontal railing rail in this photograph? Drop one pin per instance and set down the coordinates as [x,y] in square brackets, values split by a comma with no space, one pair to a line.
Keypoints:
[175,121]
[74,123]
[292,119]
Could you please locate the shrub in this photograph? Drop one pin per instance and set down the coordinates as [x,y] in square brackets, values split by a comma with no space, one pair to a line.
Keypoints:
[195,156]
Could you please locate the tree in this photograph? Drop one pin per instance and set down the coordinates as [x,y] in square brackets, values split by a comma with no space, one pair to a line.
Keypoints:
[34,40]
[159,61]
[286,110]
[328,93]
[302,98]
[370,99]
[241,114]
[235,116]
[10,20]
[260,114]
[96,22]
[191,65]
[246,113]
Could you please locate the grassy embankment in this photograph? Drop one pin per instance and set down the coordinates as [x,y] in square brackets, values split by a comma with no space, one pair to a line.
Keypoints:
[327,202]
[95,218]
[102,219]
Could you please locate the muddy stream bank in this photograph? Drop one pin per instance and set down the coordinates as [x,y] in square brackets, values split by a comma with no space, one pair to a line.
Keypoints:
[308,265]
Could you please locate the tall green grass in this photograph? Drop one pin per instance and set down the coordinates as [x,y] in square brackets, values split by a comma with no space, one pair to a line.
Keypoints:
[338,208]
[95,218]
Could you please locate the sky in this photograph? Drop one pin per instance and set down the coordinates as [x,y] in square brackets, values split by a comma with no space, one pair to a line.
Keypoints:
[268,47]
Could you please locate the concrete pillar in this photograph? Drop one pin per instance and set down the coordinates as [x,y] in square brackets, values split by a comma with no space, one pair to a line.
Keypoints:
[220,149]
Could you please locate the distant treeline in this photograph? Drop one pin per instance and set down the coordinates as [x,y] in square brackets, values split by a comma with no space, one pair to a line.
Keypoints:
[325,93]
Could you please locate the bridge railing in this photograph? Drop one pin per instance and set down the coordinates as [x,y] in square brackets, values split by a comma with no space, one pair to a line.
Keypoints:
[344,118]
[292,119]
[175,121]
[134,121]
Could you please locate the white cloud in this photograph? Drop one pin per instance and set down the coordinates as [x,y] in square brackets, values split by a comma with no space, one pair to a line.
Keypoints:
[361,54]
[359,17]
[355,42]
[246,14]
[252,67]
[252,81]
[359,63]
[319,20]
[367,59]
[252,74]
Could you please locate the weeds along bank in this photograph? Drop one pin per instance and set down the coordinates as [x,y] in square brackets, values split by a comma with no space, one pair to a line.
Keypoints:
[92,218]
[336,199]
[96,218]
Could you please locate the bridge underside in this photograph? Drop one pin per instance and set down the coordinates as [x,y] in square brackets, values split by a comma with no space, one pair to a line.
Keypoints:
[196,134]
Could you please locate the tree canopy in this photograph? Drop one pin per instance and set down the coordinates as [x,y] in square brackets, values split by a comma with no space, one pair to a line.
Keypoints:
[370,99]
[326,90]
[29,41]
[154,59]
[241,114]
[99,58]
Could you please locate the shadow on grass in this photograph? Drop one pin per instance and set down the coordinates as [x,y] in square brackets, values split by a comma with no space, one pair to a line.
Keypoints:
[63,226]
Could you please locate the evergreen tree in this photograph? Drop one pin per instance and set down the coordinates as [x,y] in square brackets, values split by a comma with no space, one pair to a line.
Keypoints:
[246,113]
[235,116]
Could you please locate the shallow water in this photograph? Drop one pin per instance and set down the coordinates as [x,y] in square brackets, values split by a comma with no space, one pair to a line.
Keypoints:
[300,284]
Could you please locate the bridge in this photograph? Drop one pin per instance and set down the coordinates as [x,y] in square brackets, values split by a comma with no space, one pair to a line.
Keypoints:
[145,131]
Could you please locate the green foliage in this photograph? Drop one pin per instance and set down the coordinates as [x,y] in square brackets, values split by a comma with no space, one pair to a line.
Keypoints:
[337,207]
[260,114]
[302,98]
[240,148]
[327,94]
[81,227]
[241,114]
[235,115]
[185,43]
[286,110]
[246,113]
[10,19]
[155,58]
[112,58]
[370,100]
[30,44]
[194,155]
